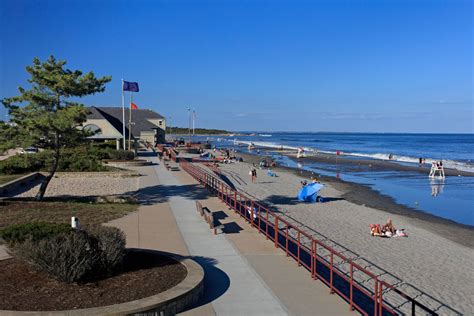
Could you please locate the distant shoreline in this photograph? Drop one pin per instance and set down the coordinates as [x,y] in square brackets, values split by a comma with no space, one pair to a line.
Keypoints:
[228,134]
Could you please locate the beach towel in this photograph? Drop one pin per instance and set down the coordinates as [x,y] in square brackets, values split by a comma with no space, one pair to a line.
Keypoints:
[401,233]
[270,173]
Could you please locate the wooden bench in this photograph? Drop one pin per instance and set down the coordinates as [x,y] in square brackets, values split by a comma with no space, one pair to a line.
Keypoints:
[209,217]
[199,208]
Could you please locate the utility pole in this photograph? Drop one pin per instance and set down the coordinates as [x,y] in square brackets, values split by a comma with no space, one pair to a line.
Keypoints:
[194,118]
[189,124]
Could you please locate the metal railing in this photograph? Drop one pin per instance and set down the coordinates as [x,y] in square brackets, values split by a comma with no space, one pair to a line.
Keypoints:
[363,290]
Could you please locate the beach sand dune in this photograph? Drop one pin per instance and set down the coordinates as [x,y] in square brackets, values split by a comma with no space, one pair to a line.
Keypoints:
[437,271]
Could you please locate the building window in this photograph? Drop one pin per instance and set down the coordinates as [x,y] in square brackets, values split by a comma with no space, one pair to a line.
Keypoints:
[92,128]
[160,123]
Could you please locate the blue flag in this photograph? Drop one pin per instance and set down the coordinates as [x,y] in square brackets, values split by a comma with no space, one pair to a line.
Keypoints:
[130,86]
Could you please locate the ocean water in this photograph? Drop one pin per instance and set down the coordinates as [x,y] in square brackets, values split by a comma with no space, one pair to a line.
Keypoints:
[456,150]
[451,198]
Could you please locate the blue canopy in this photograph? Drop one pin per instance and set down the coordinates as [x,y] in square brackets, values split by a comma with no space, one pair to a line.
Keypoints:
[309,192]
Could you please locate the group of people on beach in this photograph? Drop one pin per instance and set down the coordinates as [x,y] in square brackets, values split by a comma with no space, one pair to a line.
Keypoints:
[313,180]
[386,230]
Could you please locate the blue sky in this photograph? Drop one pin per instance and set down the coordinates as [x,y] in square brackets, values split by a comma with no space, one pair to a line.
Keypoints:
[356,66]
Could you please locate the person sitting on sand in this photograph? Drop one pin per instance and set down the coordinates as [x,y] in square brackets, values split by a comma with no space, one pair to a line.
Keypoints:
[388,227]
[375,230]
[314,180]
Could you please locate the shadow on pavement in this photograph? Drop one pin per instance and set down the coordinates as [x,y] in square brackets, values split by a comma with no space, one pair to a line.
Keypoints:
[162,193]
[216,281]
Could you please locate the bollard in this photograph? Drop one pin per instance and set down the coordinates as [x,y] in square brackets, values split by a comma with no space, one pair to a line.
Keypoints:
[75,223]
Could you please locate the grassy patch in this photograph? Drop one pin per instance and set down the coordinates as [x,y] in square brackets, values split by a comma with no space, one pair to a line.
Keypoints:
[9,177]
[19,212]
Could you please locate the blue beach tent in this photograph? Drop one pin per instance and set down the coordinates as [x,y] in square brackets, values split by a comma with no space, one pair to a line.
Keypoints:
[309,192]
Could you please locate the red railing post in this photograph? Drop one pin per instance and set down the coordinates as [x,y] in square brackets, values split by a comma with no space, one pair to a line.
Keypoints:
[312,258]
[251,213]
[376,296]
[259,215]
[276,232]
[351,284]
[330,277]
[315,259]
[235,199]
[299,247]
[266,226]
[380,299]
[286,245]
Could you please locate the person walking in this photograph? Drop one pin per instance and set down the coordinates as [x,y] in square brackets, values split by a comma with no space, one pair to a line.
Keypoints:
[253,174]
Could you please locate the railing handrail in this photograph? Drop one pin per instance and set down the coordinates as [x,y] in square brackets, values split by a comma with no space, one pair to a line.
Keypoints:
[200,173]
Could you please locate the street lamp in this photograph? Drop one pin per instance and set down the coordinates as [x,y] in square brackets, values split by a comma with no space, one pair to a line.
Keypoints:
[189,124]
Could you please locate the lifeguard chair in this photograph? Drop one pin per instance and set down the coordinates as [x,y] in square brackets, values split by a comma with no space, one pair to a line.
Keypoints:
[437,167]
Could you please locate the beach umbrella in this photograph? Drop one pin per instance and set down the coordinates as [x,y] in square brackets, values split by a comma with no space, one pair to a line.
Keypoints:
[309,192]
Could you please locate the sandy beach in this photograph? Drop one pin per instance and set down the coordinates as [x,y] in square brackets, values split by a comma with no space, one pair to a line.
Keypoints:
[434,264]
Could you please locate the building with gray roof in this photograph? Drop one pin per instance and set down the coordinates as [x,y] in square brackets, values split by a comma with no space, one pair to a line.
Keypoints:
[107,124]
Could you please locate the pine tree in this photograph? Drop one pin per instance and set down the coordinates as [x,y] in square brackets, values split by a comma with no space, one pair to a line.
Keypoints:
[45,115]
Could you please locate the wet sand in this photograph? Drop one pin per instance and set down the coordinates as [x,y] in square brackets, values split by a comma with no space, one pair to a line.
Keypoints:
[434,263]
[373,164]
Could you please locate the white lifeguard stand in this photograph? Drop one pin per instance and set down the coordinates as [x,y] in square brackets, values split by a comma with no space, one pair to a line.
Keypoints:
[301,153]
[437,167]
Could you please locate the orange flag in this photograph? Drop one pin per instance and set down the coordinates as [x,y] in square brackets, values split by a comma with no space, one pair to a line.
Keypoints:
[133,106]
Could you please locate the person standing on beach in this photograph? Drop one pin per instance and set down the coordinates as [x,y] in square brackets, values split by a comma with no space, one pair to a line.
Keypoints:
[253,174]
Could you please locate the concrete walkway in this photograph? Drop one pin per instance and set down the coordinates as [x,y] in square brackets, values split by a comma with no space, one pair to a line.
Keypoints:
[4,253]
[245,274]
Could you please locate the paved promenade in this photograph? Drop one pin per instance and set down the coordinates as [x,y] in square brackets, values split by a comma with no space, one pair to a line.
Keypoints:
[245,274]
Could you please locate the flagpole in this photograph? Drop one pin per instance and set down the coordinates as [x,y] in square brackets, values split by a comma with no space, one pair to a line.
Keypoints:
[130,124]
[123,117]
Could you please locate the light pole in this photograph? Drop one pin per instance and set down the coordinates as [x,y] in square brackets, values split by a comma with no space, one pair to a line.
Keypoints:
[189,124]
[194,118]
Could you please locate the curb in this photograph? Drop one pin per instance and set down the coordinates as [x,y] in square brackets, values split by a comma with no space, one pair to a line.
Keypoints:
[169,302]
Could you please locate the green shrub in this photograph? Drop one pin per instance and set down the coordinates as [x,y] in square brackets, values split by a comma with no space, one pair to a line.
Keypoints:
[112,247]
[81,158]
[25,163]
[66,257]
[121,155]
[78,256]
[32,231]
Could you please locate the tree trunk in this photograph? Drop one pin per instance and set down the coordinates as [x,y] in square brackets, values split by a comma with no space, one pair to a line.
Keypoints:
[52,171]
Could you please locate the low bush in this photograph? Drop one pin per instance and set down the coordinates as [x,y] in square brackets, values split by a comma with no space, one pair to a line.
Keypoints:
[25,163]
[81,158]
[32,231]
[121,155]
[111,243]
[78,256]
